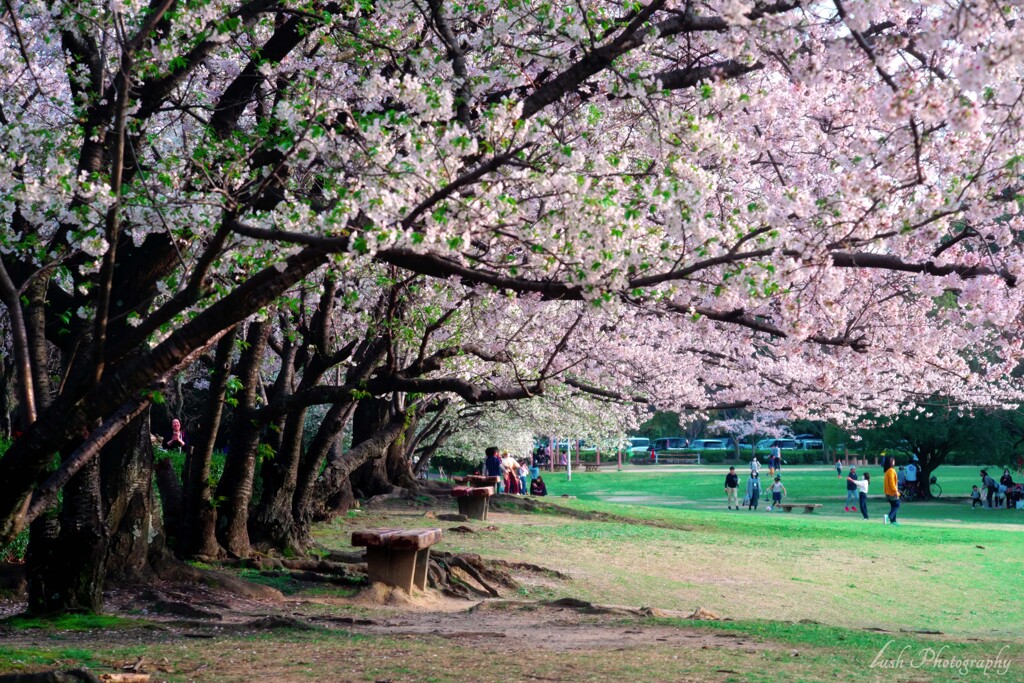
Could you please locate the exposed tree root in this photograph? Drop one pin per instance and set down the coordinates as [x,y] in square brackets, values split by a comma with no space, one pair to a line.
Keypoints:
[72,676]
[346,578]
[468,576]
[526,566]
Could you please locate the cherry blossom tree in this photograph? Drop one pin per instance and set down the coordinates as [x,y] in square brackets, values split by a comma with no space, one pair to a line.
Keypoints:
[810,206]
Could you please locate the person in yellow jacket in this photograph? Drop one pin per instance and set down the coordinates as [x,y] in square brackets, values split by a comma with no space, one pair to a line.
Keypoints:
[892,491]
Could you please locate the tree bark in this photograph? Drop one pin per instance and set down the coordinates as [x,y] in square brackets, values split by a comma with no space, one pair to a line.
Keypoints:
[67,572]
[370,478]
[197,536]
[172,497]
[332,488]
[326,444]
[235,487]
[126,466]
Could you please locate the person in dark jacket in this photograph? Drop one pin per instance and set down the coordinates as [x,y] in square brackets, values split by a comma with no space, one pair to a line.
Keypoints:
[732,482]
[753,491]
[851,491]
[178,438]
[537,487]
[990,485]
[492,465]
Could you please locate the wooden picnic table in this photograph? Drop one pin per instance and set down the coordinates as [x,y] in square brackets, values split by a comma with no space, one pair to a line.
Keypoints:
[473,501]
[397,557]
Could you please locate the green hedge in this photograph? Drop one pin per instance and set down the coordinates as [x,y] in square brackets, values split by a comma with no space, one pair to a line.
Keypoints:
[719,456]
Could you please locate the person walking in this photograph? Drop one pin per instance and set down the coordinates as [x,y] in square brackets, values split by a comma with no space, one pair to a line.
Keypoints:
[778,491]
[732,482]
[851,491]
[892,491]
[976,497]
[753,491]
[989,485]
[839,468]
[755,467]
[862,493]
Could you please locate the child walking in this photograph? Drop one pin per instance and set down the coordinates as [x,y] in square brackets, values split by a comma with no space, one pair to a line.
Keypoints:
[778,491]
[976,497]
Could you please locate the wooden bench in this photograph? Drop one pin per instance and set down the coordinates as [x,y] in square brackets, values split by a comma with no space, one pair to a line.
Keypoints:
[808,507]
[476,480]
[559,468]
[592,467]
[474,501]
[397,557]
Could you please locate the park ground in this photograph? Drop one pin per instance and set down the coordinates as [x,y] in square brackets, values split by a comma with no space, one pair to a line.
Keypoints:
[605,584]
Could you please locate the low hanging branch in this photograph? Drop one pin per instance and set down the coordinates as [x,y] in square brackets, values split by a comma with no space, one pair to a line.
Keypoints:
[46,495]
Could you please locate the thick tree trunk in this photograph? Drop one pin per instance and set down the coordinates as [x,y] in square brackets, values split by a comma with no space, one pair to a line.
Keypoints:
[332,488]
[370,478]
[198,537]
[126,465]
[326,444]
[236,484]
[397,466]
[39,558]
[172,497]
[24,463]
[272,523]
[7,402]
[66,573]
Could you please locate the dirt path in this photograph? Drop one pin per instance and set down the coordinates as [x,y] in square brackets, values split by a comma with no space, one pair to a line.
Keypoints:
[527,626]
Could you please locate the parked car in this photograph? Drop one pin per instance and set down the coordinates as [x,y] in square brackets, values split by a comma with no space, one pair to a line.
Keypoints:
[708,445]
[638,445]
[782,444]
[810,442]
[670,443]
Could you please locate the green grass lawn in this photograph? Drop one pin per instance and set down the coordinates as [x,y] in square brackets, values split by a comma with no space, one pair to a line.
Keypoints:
[821,595]
[701,488]
[837,588]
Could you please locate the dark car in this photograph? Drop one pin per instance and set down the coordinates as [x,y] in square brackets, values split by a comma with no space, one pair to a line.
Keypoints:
[670,443]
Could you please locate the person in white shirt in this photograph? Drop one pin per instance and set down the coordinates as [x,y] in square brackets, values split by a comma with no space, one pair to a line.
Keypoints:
[862,491]
[755,466]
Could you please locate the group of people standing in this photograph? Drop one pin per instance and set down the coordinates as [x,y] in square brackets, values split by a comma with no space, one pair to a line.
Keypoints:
[753,495]
[995,492]
[857,489]
[515,477]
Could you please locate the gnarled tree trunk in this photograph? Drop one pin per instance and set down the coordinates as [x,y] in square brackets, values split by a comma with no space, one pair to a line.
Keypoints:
[126,466]
[197,535]
[235,487]
[66,567]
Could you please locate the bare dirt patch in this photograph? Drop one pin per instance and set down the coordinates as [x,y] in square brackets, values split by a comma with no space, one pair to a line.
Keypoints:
[527,626]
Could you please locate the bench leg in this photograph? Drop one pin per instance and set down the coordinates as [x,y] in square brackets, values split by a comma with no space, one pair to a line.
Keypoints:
[808,510]
[393,567]
[788,508]
[422,563]
[474,508]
